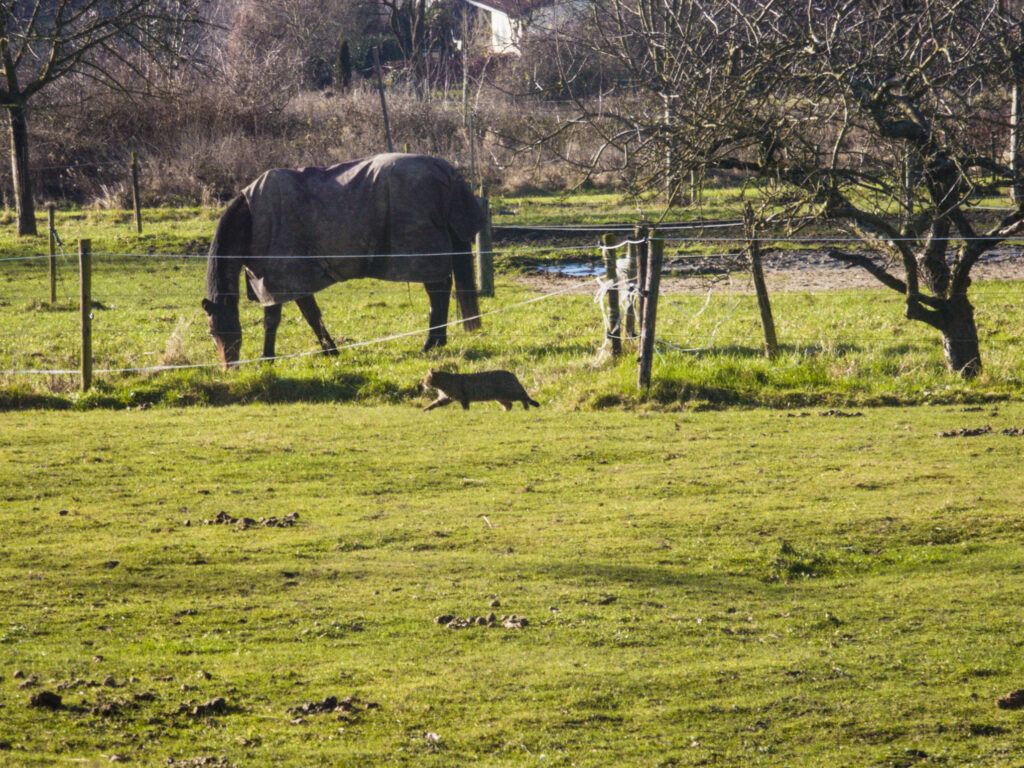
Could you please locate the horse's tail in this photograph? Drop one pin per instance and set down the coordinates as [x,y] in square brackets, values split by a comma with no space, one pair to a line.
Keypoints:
[232,238]
[465,285]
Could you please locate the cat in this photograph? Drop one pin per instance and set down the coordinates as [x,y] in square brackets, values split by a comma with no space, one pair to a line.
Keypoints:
[467,388]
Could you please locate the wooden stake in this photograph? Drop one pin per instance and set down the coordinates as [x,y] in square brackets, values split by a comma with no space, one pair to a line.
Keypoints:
[641,234]
[383,101]
[1016,150]
[465,66]
[771,344]
[485,250]
[135,192]
[472,148]
[85,278]
[614,330]
[650,316]
[629,329]
[50,216]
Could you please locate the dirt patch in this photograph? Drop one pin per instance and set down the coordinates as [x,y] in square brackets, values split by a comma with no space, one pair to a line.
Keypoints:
[490,620]
[1014,700]
[244,523]
[784,271]
[347,708]
[46,700]
[985,430]
[215,706]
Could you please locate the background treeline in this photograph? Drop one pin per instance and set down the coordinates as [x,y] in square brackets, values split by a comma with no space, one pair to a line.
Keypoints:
[267,83]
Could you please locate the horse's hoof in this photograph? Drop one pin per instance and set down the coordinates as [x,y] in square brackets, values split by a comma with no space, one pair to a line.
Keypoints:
[332,352]
[431,343]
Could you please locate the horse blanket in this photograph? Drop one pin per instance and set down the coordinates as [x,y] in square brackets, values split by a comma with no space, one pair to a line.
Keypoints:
[388,207]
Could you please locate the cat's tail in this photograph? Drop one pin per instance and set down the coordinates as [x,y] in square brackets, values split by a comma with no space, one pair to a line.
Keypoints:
[465,285]
[528,402]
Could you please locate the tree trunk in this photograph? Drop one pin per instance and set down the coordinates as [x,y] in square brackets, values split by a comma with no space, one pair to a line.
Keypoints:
[960,338]
[23,201]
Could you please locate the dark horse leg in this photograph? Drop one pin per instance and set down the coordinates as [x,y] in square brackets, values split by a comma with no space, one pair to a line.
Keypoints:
[271,319]
[311,311]
[439,294]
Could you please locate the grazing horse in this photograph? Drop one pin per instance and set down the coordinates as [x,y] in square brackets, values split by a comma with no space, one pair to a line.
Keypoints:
[406,218]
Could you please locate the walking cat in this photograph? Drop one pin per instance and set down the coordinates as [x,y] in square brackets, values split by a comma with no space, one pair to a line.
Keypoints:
[467,388]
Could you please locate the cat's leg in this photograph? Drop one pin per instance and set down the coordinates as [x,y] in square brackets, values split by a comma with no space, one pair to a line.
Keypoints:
[505,405]
[442,400]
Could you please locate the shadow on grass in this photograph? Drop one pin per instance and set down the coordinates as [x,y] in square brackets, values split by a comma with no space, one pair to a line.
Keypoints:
[261,386]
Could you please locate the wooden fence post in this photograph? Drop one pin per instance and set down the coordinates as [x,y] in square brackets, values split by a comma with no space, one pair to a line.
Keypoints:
[771,344]
[650,315]
[485,250]
[136,204]
[383,101]
[614,330]
[50,215]
[641,233]
[629,328]
[85,278]
[472,147]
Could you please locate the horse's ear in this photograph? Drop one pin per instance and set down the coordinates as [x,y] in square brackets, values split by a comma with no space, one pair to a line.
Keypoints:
[208,306]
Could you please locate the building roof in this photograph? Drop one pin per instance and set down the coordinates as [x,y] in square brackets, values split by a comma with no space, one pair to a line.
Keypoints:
[511,8]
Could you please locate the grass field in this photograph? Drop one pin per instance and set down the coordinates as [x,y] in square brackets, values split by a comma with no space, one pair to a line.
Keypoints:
[838,347]
[196,561]
[756,587]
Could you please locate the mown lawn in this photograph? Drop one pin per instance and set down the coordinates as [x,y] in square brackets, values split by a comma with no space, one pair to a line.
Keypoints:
[790,587]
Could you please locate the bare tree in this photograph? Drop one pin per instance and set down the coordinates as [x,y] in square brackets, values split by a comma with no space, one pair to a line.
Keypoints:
[43,41]
[828,103]
[306,32]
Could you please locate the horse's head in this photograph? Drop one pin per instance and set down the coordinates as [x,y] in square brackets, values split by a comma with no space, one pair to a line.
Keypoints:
[225,329]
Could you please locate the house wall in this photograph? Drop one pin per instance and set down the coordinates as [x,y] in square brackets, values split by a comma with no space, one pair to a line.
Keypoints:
[502,38]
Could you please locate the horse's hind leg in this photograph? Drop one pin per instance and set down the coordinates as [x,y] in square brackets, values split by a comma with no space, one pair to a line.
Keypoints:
[439,294]
[311,311]
[271,320]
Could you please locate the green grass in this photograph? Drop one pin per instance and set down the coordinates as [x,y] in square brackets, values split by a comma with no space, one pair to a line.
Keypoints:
[775,588]
[827,581]
[839,348]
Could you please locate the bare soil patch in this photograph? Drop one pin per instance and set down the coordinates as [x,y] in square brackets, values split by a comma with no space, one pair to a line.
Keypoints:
[784,271]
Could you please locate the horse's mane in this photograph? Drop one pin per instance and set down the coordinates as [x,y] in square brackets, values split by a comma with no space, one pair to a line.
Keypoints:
[231,239]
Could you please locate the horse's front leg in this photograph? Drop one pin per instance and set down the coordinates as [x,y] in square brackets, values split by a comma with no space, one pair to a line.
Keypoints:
[271,319]
[439,294]
[311,311]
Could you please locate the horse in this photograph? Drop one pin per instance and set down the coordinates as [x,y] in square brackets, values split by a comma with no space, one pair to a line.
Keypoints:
[398,217]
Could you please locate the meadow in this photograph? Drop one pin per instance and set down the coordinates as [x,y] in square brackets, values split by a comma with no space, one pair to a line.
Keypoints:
[843,347]
[803,562]
[739,586]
